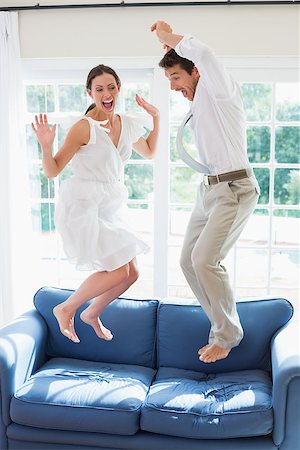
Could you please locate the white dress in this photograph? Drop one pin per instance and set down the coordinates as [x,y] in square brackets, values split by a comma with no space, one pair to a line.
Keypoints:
[91,206]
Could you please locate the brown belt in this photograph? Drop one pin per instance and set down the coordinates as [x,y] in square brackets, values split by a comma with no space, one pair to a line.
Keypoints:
[228,176]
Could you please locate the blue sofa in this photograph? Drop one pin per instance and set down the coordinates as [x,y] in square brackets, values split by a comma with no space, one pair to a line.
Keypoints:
[146,389]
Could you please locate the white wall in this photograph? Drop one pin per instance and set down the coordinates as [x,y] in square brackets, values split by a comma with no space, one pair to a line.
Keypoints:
[230,30]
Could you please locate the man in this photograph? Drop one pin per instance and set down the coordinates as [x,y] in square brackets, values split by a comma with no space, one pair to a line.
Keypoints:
[229,191]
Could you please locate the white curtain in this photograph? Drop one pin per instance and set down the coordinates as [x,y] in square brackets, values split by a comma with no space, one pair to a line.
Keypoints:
[15,228]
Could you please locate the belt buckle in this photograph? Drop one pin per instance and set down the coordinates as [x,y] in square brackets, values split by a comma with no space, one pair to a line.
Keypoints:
[206,180]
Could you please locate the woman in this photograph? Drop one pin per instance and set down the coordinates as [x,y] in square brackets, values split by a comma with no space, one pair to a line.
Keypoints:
[89,211]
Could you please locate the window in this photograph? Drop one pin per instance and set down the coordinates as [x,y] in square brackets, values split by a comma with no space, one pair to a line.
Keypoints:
[161,192]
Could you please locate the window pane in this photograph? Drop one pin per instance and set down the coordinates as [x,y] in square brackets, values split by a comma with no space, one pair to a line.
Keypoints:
[173,148]
[257,101]
[61,135]
[72,98]
[40,99]
[47,216]
[34,181]
[285,268]
[129,92]
[47,185]
[181,292]
[140,216]
[43,216]
[258,144]
[46,241]
[179,106]
[287,148]
[287,101]
[40,185]
[135,156]
[252,267]
[140,289]
[175,274]
[256,231]
[139,181]
[32,144]
[247,293]
[263,178]
[286,227]
[178,220]
[286,186]
[188,142]
[183,185]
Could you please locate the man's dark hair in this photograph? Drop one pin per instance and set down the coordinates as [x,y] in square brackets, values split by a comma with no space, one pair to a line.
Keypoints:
[171,59]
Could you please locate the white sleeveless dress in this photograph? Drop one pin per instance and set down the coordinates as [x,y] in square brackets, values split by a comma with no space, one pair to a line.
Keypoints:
[89,214]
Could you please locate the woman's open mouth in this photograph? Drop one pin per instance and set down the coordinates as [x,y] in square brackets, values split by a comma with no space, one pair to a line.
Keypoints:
[108,105]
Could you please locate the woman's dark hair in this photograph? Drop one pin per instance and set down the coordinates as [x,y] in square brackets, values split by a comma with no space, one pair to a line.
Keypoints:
[100,70]
[92,106]
[171,59]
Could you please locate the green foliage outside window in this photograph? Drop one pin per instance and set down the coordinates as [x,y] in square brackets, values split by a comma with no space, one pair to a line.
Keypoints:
[287,145]
[47,211]
[287,102]
[72,98]
[130,90]
[257,101]
[34,151]
[263,178]
[287,186]
[189,143]
[183,185]
[61,136]
[40,99]
[287,112]
[139,181]
[47,185]
[286,213]
[258,144]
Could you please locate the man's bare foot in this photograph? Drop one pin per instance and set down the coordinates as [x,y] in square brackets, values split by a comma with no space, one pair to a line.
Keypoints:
[202,349]
[101,331]
[213,353]
[66,323]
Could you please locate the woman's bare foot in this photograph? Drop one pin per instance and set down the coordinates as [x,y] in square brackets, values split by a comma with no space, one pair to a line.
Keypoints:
[66,323]
[101,331]
[213,353]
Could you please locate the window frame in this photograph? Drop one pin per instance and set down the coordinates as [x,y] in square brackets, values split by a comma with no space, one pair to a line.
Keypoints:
[244,69]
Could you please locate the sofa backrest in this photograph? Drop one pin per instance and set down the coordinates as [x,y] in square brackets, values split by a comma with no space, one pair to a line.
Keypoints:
[183,329]
[132,322]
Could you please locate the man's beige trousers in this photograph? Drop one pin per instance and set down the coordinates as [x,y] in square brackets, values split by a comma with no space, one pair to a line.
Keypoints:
[219,216]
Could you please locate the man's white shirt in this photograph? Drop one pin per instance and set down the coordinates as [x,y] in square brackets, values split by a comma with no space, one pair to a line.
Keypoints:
[218,119]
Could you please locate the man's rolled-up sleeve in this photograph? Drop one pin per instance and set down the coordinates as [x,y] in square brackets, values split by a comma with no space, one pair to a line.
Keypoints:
[212,72]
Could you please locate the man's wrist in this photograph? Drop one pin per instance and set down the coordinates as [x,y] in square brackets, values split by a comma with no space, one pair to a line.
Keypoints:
[164,36]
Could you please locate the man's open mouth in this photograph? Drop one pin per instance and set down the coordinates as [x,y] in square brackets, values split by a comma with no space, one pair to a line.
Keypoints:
[184,92]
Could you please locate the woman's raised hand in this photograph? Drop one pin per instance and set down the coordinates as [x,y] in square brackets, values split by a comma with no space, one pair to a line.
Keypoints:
[43,132]
[150,109]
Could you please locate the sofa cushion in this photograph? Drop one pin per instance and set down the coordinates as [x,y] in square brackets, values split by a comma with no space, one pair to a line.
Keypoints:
[69,394]
[205,406]
[183,329]
[132,322]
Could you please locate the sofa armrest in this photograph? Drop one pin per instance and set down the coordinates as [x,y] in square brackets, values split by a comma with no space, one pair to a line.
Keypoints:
[22,351]
[285,355]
